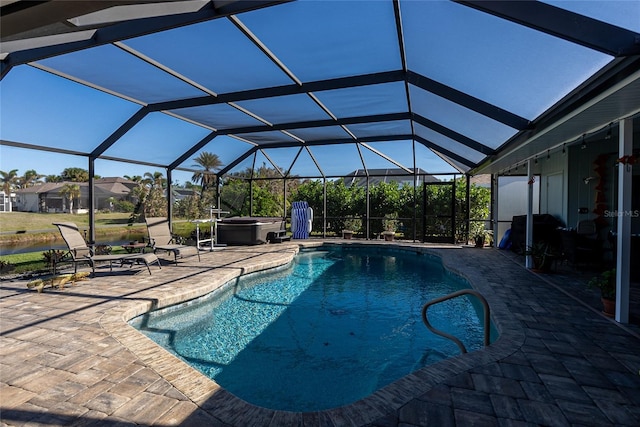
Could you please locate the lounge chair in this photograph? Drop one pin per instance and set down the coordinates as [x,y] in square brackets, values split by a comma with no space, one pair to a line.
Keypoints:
[162,239]
[81,252]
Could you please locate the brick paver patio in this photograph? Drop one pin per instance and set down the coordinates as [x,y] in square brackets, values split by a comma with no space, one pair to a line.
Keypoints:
[68,356]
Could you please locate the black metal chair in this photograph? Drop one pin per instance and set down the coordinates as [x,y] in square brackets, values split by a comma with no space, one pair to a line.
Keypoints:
[579,250]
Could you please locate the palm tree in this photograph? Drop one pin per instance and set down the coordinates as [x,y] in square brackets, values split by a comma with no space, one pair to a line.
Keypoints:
[31,178]
[71,192]
[53,178]
[75,175]
[210,163]
[155,180]
[9,182]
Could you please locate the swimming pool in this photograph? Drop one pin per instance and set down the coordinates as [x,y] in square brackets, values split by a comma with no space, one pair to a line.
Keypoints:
[335,326]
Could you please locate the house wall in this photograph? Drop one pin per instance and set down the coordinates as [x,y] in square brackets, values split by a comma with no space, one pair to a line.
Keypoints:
[599,195]
[554,185]
[27,202]
[55,202]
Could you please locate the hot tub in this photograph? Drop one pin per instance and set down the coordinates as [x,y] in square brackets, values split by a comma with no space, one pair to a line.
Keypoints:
[248,230]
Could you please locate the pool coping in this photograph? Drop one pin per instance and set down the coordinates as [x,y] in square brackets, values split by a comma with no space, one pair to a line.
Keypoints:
[226,407]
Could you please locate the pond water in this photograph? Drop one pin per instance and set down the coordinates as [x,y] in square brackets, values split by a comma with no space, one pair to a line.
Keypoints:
[41,246]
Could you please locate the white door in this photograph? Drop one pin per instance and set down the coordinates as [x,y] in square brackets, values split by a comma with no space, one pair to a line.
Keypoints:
[555,199]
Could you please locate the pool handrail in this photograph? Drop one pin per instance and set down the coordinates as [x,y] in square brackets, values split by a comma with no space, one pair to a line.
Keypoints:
[487,315]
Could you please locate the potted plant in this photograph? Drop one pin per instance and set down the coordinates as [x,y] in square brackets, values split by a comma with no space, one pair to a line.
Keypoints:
[480,238]
[541,256]
[606,282]
[351,226]
[390,223]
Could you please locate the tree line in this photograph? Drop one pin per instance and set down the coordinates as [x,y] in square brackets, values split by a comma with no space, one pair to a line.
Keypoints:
[268,194]
[11,181]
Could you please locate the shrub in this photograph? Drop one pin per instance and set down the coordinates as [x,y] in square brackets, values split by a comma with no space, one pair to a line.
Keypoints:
[123,206]
[6,267]
[53,257]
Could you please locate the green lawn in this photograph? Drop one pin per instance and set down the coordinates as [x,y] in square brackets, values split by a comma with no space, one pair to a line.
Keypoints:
[34,261]
[18,227]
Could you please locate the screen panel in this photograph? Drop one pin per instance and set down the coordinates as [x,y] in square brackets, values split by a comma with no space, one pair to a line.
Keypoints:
[218,116]
[459,119]
[226,148]
[373,160]
[321,133]
[304,166]
[158,138]
[114,69]
[320,40]
[621,13]
[514,67]
[373,129]
[266,138]
[430,162]
[326,156]
[448,143]
[42,109]
[214,54]
[285,109]
[365,100]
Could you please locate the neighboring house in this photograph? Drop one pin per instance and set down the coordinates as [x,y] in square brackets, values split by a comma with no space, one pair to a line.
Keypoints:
[180,193]
[359,177]
[481,180]
[47,197]
[7,202]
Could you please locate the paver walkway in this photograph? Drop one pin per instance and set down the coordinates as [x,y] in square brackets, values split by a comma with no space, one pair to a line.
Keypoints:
[574,366]
[69,358]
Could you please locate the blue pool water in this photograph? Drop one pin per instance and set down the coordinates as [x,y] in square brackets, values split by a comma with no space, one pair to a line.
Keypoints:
[332,328]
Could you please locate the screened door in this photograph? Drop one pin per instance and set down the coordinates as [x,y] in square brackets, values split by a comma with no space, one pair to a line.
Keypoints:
[438,219]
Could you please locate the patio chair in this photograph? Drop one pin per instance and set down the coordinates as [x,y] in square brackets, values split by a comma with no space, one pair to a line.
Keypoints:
[576,250]
[81,252]
[587,229]
[161,238]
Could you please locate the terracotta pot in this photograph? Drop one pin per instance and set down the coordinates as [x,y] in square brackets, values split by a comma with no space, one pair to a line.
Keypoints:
[388,236]
[609,307]
[347,234]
